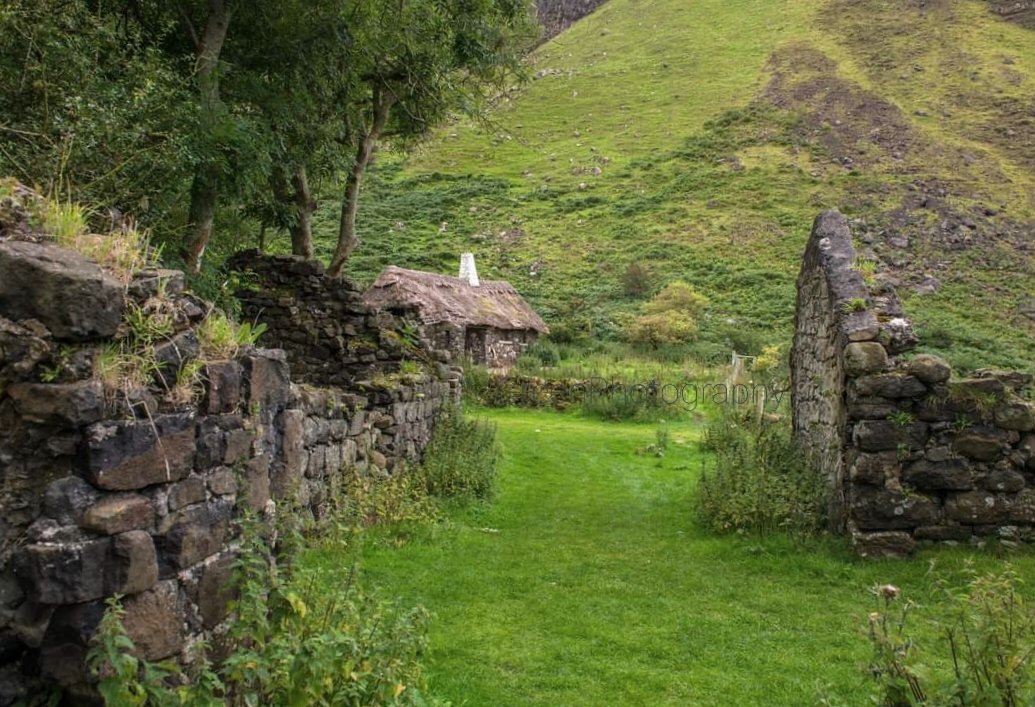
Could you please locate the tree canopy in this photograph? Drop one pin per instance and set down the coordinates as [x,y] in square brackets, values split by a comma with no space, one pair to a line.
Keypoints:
[210,119]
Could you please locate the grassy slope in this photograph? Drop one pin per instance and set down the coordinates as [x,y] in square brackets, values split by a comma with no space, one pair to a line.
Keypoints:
[914,121]
[594,586]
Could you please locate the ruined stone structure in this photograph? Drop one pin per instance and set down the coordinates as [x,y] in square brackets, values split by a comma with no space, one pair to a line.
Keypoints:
[486,322]
[136,491]
[911,453]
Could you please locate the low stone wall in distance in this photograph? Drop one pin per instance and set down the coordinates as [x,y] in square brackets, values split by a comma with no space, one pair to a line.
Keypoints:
[913,453]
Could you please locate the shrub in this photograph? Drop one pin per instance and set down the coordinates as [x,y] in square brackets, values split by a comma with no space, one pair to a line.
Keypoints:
[636,280]
[978,651]
[759,482]
[299,636]
[670,318]
[662,329]
[221,337]
[627,400]
[460,459]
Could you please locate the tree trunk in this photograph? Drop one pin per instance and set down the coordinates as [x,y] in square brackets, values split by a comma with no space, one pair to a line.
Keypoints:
[301,200]
[305,205]
[347,240]
[204,191]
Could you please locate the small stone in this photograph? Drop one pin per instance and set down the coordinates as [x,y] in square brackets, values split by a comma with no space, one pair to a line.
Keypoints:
[214,593]
[929,368]
[222,387]
[977,508]
[153,623]
[889,385]
[1004,480]
[890,544]
[884,509]
[134,563]
[864,357]
[125,456]
[378,459]
[68,573]
[1016,416]
[190,535]
[117,514]
[65,404]
[952,475]
[222,482]
[66,499]
[171,356]
[186,492]
[978,446]
[885,435]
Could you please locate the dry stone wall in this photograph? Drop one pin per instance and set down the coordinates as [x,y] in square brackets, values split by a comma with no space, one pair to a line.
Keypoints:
[912,453]
[137,491]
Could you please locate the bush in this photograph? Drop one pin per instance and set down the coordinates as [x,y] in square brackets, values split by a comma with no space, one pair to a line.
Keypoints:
[627,401]
[636,280]
[759,483]
[299,636]
[460,459]
[980,653]
[670,318]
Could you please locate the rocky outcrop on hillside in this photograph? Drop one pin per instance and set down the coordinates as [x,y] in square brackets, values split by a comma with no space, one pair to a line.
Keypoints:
[555,16]
[1020,12]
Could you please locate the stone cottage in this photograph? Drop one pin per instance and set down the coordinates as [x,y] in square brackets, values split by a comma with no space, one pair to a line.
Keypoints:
[486,322]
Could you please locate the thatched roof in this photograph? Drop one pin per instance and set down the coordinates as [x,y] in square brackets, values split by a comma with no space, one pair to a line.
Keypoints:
[439,298]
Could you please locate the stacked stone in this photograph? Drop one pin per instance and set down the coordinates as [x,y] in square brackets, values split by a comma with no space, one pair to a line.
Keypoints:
[138,494]
[922,456]
[331,336]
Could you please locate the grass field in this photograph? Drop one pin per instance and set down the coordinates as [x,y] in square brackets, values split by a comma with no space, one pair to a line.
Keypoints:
[699,139]
[587,582]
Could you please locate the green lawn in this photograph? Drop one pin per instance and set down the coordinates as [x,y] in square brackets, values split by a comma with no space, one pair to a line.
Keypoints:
[588,582]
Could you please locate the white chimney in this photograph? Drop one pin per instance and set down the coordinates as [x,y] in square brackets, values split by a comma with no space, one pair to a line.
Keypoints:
[468,271]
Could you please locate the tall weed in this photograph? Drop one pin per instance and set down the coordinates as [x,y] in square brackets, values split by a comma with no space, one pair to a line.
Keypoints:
[758,482]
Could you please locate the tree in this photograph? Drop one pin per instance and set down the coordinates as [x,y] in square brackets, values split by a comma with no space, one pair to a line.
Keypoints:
[670,318]
[91,110]
[415,61]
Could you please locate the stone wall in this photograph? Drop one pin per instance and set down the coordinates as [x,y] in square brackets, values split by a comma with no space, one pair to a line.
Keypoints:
[912,453]
[137,490]
[332,338]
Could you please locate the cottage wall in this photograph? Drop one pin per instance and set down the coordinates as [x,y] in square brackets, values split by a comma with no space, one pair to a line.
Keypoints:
[502,347]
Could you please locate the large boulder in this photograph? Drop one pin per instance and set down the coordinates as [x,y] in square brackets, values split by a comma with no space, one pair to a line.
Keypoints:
[70,295]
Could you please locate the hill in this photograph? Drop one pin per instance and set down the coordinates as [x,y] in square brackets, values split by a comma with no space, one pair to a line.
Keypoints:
[699,139]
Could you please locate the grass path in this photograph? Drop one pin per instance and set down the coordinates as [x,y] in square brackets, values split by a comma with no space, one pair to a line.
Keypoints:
[586,582]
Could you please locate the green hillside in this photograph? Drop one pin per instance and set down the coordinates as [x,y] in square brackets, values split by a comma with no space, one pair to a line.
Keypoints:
[699,138]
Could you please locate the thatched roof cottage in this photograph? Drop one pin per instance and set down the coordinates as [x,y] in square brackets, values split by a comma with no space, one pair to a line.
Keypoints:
[486,322]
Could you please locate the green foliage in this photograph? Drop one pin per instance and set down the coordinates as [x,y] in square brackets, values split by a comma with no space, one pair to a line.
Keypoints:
[221,337]
[759,481]
[123,679]
[300,636]
[977,648]
[670,318]
[461,457]
[856,304]
[636,280]
[902,418]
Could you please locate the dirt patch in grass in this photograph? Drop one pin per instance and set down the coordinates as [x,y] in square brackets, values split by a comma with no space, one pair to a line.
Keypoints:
[853,126]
